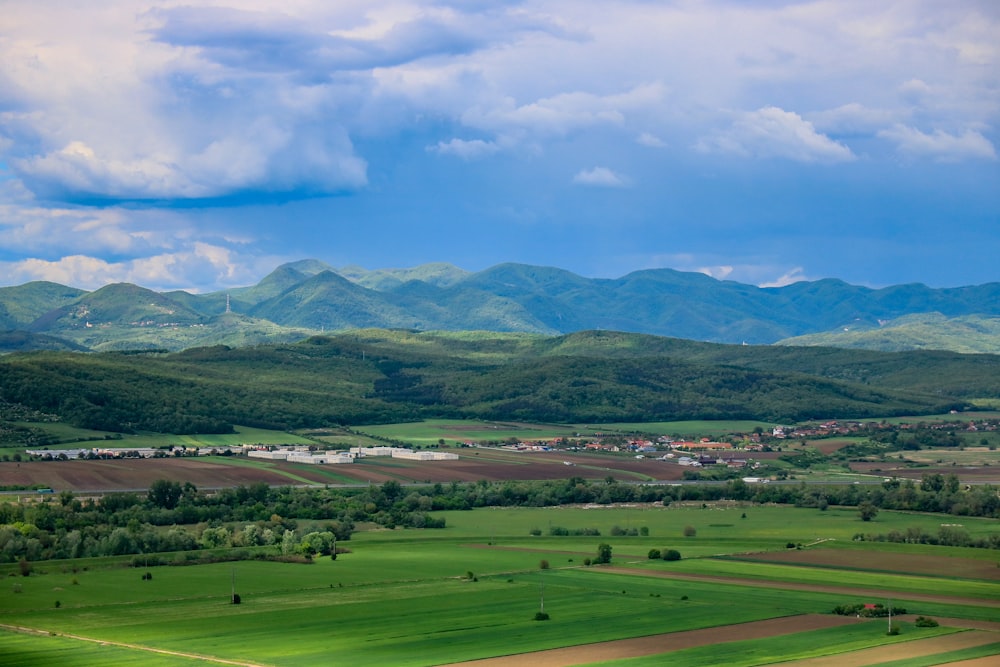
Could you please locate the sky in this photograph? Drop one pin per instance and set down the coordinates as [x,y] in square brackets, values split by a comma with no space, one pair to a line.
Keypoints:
[199,144]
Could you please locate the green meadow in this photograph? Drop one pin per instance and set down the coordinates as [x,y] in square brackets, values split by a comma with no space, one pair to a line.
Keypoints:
[471,590]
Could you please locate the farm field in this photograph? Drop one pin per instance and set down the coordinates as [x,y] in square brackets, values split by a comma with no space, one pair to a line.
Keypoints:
[213,472]
[470,591]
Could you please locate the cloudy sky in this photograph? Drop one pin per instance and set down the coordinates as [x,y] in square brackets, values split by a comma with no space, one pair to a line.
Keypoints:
[199,144]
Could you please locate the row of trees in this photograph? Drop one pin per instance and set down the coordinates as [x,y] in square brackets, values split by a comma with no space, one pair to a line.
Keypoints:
[259,515]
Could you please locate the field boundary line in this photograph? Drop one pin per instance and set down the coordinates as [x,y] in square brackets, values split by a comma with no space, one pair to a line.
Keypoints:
[134,647]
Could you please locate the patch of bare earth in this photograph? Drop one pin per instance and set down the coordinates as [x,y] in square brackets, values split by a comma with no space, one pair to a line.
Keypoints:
[656,644]
[131,474]
[916,648]
[908,563]
[973,474]
[828,447]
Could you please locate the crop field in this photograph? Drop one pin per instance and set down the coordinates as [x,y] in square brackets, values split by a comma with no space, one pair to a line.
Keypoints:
[970,456]
[454,431]
[470,591]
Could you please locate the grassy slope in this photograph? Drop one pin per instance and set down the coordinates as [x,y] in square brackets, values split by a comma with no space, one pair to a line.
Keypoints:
[399,597]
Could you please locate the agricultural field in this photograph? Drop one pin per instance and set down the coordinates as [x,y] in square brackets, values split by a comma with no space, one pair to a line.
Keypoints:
[470,592]
[458,431]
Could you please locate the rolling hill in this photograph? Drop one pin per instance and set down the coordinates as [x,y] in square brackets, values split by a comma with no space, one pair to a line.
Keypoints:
[377,375]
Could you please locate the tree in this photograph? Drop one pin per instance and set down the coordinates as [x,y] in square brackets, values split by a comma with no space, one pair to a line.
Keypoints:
[867,511]
[603,553]
[671,554]
[164,493]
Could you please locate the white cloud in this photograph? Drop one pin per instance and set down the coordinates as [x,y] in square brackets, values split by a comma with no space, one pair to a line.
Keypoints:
[795,275]
[940,145]
[466,149]
[775,133]
[600,177]
[852,119]
[563,113]
[201,265]
[651,140]
[717,272]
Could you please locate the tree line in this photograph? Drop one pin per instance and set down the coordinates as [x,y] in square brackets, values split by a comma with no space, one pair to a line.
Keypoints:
[178,517]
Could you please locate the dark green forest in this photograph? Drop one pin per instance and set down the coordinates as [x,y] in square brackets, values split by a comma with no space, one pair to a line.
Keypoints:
[380,376]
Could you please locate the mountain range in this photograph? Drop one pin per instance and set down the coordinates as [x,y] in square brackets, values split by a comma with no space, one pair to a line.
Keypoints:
[303,298]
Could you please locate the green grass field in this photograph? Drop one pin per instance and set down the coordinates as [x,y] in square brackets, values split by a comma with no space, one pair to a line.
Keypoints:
[402,597]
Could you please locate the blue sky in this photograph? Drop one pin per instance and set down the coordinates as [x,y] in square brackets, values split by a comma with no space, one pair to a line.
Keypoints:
[197,145]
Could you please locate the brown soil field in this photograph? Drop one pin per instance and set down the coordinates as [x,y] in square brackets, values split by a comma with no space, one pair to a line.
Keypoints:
[515,466]
[131,474]
[903,651]
[897,563]
[830,446]
[655,644]
[965,473]
[138,474]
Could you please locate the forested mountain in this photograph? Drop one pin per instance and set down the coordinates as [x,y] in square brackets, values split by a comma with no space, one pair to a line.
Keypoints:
[306,297]
[367,376]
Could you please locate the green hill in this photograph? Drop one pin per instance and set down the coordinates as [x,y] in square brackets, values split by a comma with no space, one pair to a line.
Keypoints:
[368,376]
[933,331]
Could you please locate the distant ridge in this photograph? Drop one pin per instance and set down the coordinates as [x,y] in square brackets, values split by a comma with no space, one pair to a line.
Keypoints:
[309,296]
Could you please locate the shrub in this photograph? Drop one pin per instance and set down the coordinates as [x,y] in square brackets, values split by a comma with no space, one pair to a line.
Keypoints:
[925,622]
[58,604]
[236,598]
[543,564]
[654,554]
[24,567]
[893,630]
[586,562]
[535,531]
[671,554]
[541,616]
[690,531]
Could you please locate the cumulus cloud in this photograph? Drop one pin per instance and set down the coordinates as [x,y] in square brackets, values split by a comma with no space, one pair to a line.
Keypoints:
[191,103]
[600,177]
[940,145]
[199,266]
[775,133]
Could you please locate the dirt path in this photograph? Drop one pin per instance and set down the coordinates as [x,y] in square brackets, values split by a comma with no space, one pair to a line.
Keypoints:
[815,588]
[134,647]
[673,641]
